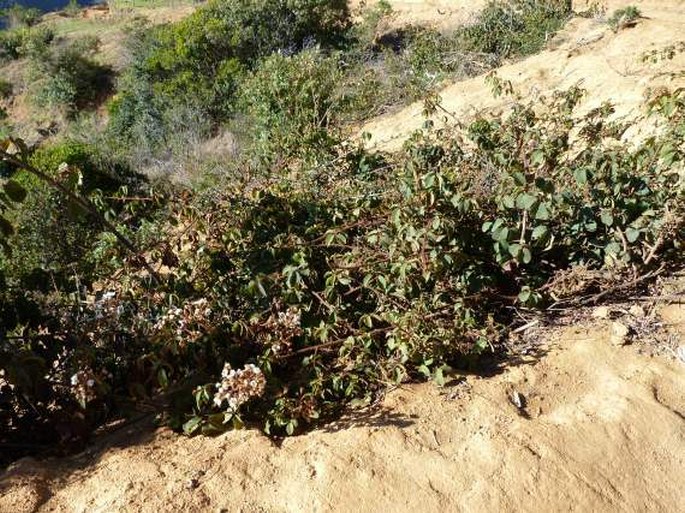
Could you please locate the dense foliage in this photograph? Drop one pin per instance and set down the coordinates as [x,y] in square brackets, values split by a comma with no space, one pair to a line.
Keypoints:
[195,66]
[65,76]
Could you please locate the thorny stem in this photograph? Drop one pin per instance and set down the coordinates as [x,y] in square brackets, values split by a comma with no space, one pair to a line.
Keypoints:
[84,203]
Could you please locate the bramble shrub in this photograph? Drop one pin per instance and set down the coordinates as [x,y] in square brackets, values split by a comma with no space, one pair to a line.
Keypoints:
[313,273]
[303,286]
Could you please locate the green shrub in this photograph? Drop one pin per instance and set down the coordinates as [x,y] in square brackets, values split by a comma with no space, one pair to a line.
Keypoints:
[411,63]
[66,77]
[51,235]
[515,27]
[294,104]
[303,291]
[17,43]
[624,17]
[204,56]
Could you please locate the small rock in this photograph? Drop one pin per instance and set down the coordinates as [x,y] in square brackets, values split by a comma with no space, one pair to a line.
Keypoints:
[619,333]
[191,484]
[601,312]
[518,400]
[637,311]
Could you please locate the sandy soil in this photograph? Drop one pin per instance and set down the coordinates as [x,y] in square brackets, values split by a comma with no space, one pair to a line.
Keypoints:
[588,52]
[602,429]
[441,14]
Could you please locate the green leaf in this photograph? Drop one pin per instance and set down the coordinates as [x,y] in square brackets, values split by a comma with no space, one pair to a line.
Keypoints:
[162,377]
[290,428]
[520,178]
[525,294]
[439,377]
[540,232]
[607,218]
[543,213]
[537,157]
[632,234]
[581,176]
[613,248]
[191,427]
[525,201]
[423,369]
[501,235]
[15,191]
[527,256]
[515,250]
[591,226]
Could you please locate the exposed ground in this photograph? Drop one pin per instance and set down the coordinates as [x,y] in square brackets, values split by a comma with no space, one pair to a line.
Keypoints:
[599,426]
[587,52]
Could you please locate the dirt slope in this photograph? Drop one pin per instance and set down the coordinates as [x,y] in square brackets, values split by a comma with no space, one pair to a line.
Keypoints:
[603,429]
[441,14]
[587,51]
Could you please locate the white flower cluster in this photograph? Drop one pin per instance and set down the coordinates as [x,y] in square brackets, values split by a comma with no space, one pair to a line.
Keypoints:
[185,322]
[239,386]
[280,329]
[83,386]
[3,382]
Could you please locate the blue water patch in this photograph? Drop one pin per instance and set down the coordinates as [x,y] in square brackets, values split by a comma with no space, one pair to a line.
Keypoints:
[43,5]
[46,5]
